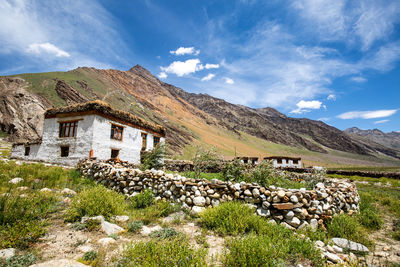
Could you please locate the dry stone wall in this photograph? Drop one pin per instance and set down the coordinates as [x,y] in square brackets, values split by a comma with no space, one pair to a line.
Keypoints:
[294,208]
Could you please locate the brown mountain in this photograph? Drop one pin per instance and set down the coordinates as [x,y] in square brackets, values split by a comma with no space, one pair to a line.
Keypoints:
[190,119]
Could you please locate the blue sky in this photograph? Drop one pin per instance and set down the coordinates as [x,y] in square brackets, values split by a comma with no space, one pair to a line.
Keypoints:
[336,61]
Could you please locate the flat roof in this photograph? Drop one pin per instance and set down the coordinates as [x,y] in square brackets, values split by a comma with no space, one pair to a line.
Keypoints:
[103,109]
[282,157]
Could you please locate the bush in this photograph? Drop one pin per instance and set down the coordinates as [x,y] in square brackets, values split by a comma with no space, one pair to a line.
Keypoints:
[165,233]
[157,210]
[233,171]
[22,218]
[269,250]
[231,218]
[154,158]
[143,200]
[96,201]
[369,216]
[169,252]
[203,161]
[89,256]
[348,227]
[135,226]
[21,260]
[396,230]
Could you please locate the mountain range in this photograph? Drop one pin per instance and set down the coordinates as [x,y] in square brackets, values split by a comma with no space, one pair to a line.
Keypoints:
[191,119]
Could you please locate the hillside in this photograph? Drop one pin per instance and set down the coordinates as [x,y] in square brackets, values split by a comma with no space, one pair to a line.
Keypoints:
[190,119]
[391,139]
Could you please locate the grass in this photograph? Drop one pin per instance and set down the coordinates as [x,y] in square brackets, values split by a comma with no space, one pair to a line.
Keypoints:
[3,134]
[152,213]
[368,168]
[169,252]
[371,180]
[143,199]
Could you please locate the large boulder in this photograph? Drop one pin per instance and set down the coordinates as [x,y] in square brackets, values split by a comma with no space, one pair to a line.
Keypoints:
[350,245]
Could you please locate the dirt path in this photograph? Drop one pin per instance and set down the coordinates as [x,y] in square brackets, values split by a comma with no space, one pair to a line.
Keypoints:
[387,249]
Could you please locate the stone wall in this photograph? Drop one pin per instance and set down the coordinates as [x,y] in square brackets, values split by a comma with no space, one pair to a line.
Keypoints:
[294,208]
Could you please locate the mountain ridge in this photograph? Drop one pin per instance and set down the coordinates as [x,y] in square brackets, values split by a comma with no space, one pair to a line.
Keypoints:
[191,119]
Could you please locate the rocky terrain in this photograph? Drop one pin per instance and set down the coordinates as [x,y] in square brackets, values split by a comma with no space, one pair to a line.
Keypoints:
[391,139]
[190,119]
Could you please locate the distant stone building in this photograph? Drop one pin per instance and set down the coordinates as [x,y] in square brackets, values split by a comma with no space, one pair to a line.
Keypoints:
[91,129]
[248,160]
[282,161]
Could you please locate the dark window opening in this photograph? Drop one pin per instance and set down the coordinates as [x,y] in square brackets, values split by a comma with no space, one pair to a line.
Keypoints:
[27,150]
[279,161]
[245,161]
[156,141]
[114,153]
[68,129]
[64,151]
[295,161]
[116,132]
[144,141]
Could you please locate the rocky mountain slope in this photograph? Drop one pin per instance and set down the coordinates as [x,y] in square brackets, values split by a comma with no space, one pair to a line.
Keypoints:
[391,139]
[190,119]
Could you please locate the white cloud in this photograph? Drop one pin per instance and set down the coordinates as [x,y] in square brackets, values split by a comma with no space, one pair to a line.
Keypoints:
[358,79]
[185,51]
[229,80]
[331,97]
[324,119]
[208,77]
[162,75]
[306,106]
[381,121]
[212,66]
[367,114]
[47,48]
[181,68]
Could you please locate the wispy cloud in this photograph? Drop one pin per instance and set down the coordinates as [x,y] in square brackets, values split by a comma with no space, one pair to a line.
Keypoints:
[162,75]
[60,33]
[47,48]
[208,77]
[229,80]
[367,114]
[185,51]
[211,66]
[381,121]
[331,97]
[358,79]
[306,106]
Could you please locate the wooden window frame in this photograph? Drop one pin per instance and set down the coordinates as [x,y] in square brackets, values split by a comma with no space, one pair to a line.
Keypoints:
[144,141]
[64,130]
[117,132]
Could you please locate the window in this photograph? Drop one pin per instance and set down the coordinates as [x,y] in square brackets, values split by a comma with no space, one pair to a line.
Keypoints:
[114,153]
[144,141]
[64,151]
[279,161]
[156,140]
[27,150]
[295,161]
[116,132]
[68,129]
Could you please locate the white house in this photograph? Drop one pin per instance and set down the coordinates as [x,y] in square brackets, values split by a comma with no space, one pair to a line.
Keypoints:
[248,160]
[285,162]
[91,129]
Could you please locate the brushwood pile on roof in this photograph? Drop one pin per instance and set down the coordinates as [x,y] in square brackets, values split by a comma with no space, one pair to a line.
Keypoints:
[104,108]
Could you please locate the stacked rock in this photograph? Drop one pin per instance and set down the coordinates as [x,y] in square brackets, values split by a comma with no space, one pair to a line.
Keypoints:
[293,208]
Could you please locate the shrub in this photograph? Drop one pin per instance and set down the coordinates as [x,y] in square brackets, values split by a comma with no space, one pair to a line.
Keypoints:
[203,161]
[165,233]
[233,171]
[154,158]
[396,230]
[89,256]
[269,250]
[157,210]
[22,218]
[231,218]
[21,260]
[169,252]
[96,201]
[135,226]
[143,200]
[369,216]
[348,227]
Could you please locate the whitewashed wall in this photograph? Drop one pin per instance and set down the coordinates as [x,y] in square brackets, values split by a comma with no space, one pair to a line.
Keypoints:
[287,163]
[93,132]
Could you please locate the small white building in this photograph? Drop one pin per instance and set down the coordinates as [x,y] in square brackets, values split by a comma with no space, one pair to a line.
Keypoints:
[91,129]
[285,162]
[248,160]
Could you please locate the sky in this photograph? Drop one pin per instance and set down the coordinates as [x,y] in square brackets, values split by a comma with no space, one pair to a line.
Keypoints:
[335,61]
